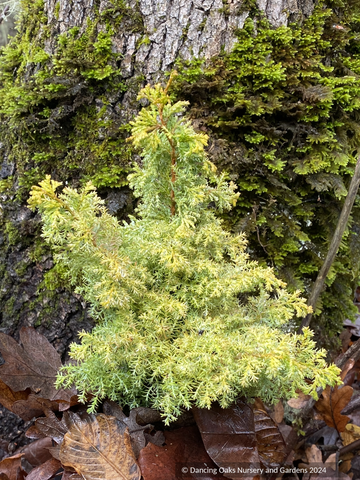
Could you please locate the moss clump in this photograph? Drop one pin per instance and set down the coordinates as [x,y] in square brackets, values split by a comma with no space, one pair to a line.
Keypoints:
[284,106]
[56,117]
[54,107]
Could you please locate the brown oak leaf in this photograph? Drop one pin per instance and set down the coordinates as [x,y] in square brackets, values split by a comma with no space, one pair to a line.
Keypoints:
[13,467]
[331,404]
[270,442]
[33,364]
[138,424]
[8,397]
[45,471]
[334,400]
[52,427]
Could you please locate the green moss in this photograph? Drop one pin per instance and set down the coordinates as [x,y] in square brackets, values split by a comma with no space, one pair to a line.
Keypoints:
[49,104]
[6,184]
[88,54]
[38,250]
[284,106]
[54,278]
[202,24]
[21,269]
[145,40]
[119,11]
[55,119]
[57,10]
[9,306]
[225,9]
[185,31]
[12,233]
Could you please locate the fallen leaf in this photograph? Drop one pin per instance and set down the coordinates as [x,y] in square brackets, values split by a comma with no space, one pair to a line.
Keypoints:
[3,476]
[184,449]
[313,455]
[345,337]
[37,452]
[65,405]
[33,364]
[8,397]
[347,367]
[345,464]
[331,404]
[45,471]
[33,406]
[270,443]
[144,416]
[98,446]
[288,433]
[55,452]
[314,458]
[52,427]
[136,432]
[331,461]
[327,435]
[350,434]
[34,433]
[229,435]
[13,467]
[157,439]
[355,418]
[277,413]
[136,422]
[113,409]
[300,401]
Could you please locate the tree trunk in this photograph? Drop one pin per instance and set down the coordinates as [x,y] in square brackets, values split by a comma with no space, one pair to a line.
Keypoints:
[146,42]
[171,29]
[175,28]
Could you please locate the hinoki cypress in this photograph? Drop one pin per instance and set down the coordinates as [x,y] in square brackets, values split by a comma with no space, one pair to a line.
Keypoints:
[184,316]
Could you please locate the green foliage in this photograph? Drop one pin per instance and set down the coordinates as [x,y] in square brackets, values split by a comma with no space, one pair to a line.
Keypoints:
[6,184]
[55,118]
[52,107]
[118,11]
[283,110]
[184,317]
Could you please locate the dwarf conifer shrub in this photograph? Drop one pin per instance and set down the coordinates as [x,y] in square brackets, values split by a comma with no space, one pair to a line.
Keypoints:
[184,317]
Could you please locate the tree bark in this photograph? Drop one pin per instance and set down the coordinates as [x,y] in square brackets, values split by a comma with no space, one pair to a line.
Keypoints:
[173,29]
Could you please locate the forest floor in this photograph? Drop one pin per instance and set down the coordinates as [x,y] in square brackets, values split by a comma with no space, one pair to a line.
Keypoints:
[47,434]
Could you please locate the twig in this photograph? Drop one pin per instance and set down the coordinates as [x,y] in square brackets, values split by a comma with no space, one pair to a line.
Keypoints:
[352,353]
[350,448]
[334,245]
[172,145]
[4,14]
